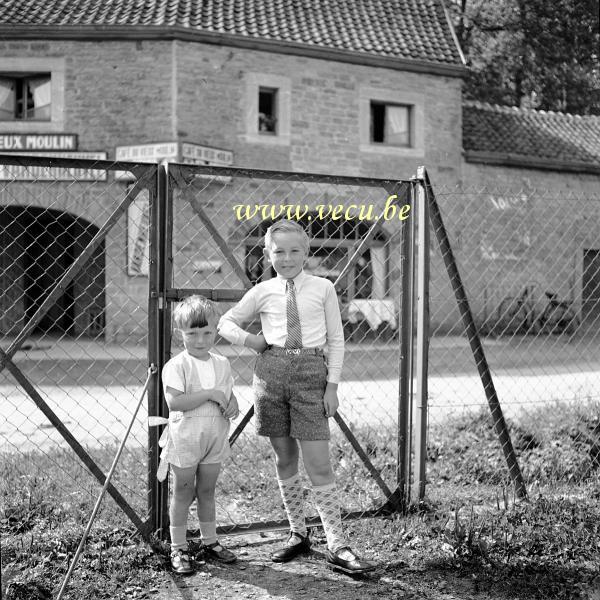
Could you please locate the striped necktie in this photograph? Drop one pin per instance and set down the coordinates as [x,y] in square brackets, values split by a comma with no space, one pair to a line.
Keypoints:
[294,333]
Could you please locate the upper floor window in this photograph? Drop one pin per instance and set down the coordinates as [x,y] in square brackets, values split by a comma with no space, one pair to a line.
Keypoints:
[390,124]
[25,97]
[267,106]
[267,110]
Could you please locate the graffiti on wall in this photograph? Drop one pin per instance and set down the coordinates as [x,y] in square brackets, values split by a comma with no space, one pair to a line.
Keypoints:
[506,233]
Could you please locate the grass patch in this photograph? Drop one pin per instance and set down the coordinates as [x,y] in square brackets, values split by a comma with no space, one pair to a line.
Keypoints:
[470,537]
[557,443]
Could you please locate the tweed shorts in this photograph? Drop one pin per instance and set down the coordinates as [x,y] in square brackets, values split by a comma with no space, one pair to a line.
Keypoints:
[289,393]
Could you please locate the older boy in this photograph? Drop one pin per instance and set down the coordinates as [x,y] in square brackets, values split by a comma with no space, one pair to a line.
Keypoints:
[295,389]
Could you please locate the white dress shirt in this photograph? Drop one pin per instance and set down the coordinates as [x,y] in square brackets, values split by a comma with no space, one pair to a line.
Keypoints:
[319,312]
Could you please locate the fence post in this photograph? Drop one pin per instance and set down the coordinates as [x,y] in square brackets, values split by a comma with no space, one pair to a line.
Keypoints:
[405,327]
[474,340]
[422,367]
[157,492]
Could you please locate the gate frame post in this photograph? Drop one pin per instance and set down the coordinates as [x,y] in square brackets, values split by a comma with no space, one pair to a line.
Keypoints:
[405,358]
[423,327]
[157,323]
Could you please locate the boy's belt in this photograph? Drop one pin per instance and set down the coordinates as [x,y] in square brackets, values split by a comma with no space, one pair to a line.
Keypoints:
[278,350]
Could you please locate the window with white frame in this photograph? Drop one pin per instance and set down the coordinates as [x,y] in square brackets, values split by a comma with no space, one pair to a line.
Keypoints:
[267,106]
[25,96]
[390,124]
[32,94]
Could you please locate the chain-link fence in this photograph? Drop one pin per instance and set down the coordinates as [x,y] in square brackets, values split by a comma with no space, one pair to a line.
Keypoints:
[530,264]
[219,221]
[94,254]
[73,324]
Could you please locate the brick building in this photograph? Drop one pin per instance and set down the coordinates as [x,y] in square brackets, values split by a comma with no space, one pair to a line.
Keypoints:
[370,88]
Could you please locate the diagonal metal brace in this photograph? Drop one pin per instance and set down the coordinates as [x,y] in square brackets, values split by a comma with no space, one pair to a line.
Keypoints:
[87,460]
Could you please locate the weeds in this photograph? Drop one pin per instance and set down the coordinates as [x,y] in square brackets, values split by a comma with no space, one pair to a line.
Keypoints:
[471,527]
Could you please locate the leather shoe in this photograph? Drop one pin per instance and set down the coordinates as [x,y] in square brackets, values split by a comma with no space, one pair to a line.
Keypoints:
[180,562]
[290,551]
[346,561]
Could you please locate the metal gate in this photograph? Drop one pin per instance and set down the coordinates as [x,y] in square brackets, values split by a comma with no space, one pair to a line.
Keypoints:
[211,222]
[89,294]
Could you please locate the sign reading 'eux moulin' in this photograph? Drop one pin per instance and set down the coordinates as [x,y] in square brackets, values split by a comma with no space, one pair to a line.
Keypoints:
[58,145]
[10,142]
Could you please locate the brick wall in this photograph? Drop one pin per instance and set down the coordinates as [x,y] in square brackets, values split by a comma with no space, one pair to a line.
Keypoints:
[510,228]
[123,93]
[325,119]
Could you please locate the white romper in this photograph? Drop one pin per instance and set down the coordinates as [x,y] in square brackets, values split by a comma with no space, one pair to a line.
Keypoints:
[200,435]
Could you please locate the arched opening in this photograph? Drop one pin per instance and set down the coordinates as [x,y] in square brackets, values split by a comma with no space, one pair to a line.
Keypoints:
[37,246]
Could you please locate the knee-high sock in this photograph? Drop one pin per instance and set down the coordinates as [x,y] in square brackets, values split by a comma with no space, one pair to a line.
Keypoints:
[292,495]
[328,506]
[208,531]
[178,537]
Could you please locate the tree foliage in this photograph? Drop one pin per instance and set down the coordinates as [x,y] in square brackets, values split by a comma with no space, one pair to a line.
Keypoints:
[531,53]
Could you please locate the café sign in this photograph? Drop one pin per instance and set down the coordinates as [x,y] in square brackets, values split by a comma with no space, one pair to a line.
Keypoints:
[41,173]
[178,152]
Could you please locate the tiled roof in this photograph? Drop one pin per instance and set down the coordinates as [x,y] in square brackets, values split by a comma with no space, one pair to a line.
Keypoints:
[535,134]
[405,29]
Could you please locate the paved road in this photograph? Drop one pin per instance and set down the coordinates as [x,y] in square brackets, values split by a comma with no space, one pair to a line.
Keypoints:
[101,414]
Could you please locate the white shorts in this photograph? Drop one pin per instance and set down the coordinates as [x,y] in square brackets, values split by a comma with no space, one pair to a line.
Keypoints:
[192,441]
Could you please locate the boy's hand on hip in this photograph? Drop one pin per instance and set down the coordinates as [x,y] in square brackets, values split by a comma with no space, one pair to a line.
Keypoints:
[330,400]
[256,342]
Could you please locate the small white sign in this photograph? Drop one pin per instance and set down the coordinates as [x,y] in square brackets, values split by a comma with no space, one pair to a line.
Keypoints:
[194,154]
[145,153]
[198,155]
[38,173]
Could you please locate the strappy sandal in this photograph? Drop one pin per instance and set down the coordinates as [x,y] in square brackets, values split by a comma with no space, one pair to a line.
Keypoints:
[180,563]
[219,552]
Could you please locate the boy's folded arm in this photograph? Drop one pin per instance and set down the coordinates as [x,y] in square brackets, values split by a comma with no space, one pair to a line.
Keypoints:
[178,400]
[232,409]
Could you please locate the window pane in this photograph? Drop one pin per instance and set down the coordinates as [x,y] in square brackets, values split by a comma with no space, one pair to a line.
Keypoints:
[38,99]
[267,107]
[377,122]
[7,99]
[397,125]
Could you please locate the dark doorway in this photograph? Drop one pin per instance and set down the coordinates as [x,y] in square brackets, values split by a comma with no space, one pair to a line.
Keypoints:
[38,246]
[47,256]
[591,286]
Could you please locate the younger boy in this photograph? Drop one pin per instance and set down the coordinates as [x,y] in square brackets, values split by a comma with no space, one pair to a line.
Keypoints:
[295,388]
[198,390]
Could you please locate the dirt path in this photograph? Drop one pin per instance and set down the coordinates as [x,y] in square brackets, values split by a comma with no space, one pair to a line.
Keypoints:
[254,576]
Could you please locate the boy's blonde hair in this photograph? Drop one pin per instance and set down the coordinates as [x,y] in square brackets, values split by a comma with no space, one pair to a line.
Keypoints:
[194,311]
[285,226]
